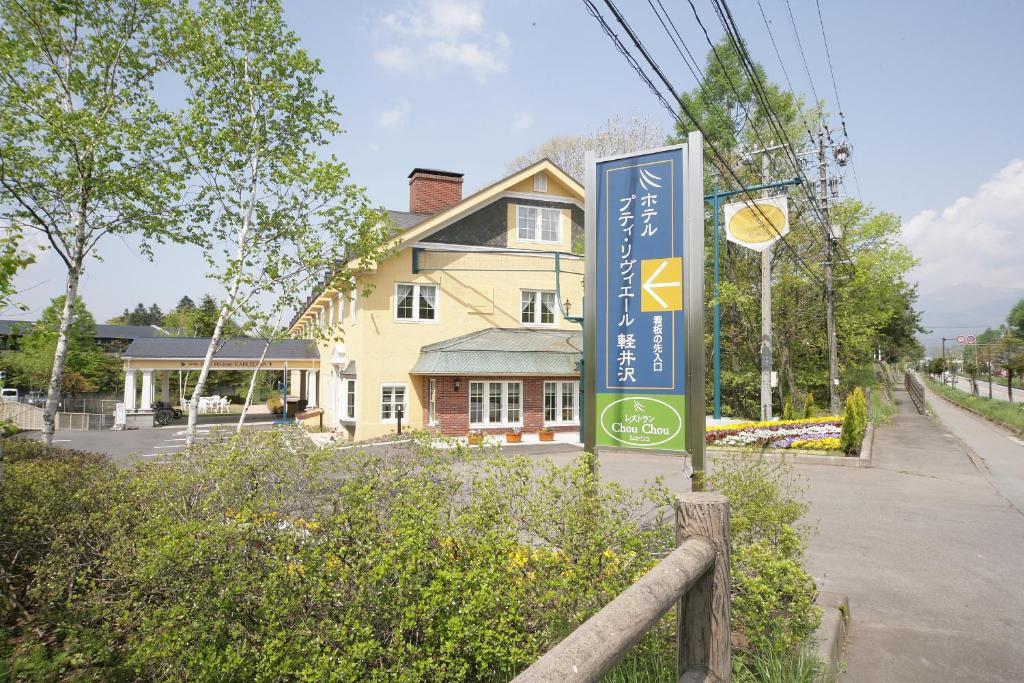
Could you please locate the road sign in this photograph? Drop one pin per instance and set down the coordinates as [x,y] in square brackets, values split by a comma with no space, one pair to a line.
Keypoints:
[971,339]
[961,339]
[662,288]
[757,224]
[644,338]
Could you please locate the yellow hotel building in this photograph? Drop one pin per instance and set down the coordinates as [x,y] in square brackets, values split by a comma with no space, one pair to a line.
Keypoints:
[465,324]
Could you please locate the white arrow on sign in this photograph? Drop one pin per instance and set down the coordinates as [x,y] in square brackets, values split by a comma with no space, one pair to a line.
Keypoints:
[650,285]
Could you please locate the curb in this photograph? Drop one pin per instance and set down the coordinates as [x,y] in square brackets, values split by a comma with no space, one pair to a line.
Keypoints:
[830,636]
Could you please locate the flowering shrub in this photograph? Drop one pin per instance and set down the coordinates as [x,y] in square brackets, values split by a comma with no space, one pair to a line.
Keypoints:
[778,434]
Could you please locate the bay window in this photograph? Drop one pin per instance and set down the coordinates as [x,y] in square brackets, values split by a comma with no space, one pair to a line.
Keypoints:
[495,403]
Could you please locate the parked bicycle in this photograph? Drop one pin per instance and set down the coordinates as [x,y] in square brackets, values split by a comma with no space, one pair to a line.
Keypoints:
[164,413]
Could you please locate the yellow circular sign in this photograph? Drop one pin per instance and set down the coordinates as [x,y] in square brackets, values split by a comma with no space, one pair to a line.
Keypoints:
[749,225]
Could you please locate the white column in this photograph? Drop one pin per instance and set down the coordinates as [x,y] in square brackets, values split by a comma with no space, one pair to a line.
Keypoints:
[311,377]
[129,390]
[147,390]
[165,386]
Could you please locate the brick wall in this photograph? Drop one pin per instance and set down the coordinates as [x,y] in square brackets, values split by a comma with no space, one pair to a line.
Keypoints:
[431,192]
[453,406]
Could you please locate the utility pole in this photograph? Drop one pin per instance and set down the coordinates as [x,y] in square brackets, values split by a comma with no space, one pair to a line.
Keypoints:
[766,312]
[830,316]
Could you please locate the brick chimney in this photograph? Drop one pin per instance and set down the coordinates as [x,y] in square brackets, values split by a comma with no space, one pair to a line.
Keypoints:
[433,191]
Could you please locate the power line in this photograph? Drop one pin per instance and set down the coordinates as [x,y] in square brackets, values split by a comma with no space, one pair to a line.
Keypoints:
[760,94]
[835,89]
[828,55]
[680,45]
[778,54]
[803,56]
[724,166]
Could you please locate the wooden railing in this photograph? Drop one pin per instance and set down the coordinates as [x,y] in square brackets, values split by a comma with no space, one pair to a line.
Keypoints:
[694,577]
[915,389]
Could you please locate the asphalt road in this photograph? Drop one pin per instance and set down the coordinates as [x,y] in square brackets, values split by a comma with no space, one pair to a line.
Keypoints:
[928,545]
[998,391]
[127,447]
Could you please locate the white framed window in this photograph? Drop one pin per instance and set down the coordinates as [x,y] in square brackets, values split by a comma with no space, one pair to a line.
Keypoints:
[415,303]
[432,401]
[538,224]
[540,183]
[537,307]
[350,400]
[392,397]
[560,402]
[495,403]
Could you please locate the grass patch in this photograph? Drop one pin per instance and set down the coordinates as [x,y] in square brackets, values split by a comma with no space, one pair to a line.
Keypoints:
[1008,414]
[882,409]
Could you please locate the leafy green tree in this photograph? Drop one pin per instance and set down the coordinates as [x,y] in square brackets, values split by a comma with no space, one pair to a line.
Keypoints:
[253,122]
[874,303]
[13,259]
[83,143]
[91,367]
[1009,353]
[1016,319]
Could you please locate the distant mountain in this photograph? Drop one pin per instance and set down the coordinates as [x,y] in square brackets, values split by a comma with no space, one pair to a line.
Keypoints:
[964,309]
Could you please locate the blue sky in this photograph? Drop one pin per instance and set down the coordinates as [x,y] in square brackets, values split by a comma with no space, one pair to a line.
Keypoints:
[931,93]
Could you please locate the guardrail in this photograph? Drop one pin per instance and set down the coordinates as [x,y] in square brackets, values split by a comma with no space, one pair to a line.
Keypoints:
[915,389]
[694,577]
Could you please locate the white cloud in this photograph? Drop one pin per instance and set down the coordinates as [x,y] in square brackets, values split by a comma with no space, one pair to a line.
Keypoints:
[437,34]
[977,239]
[392,117]
[523,120]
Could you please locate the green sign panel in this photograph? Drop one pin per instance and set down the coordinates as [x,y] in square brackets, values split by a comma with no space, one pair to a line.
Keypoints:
[641,421]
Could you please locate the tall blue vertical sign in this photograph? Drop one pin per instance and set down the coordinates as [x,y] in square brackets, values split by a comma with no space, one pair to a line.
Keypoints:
[640,325]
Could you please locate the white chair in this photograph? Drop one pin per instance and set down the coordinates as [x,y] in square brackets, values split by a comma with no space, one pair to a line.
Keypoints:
[224,403]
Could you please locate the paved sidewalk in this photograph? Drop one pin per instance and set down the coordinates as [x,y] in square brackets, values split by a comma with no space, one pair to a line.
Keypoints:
[929,553]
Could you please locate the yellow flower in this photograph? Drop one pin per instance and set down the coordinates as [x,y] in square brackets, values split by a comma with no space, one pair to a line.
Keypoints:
[519,558]
[296,568]
[773,423]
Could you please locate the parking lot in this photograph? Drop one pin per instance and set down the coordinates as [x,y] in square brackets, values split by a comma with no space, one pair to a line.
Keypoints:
[127,447]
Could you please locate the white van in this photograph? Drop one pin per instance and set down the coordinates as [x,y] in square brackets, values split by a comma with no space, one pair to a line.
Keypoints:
[9,395]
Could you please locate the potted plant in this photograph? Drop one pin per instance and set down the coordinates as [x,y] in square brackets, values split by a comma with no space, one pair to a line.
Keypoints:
[514,435]
[546,434]
[475,437]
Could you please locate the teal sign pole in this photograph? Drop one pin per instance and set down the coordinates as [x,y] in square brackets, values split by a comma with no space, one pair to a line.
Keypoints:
[715,199]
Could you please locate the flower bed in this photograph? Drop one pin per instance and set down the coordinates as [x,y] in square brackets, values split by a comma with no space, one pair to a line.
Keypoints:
[818,433]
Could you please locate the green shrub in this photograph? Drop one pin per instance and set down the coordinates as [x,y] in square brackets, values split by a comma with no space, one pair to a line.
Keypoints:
[243,560]
[787,409]
[810,410]
[7,428]
[855,422]
[773,596]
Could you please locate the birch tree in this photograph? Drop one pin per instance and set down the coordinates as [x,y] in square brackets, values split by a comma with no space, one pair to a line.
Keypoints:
[280,217]
[83,144]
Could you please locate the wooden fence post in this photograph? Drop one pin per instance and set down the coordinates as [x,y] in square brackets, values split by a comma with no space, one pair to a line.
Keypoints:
[703,629]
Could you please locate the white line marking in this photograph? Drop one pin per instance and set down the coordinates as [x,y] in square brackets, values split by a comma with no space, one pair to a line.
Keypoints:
[174,446]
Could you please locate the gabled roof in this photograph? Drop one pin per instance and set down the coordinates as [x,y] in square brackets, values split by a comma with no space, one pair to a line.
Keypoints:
[128,331]
[194,348]
[482,197]
[508,352]
[8,327]
[418,226]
